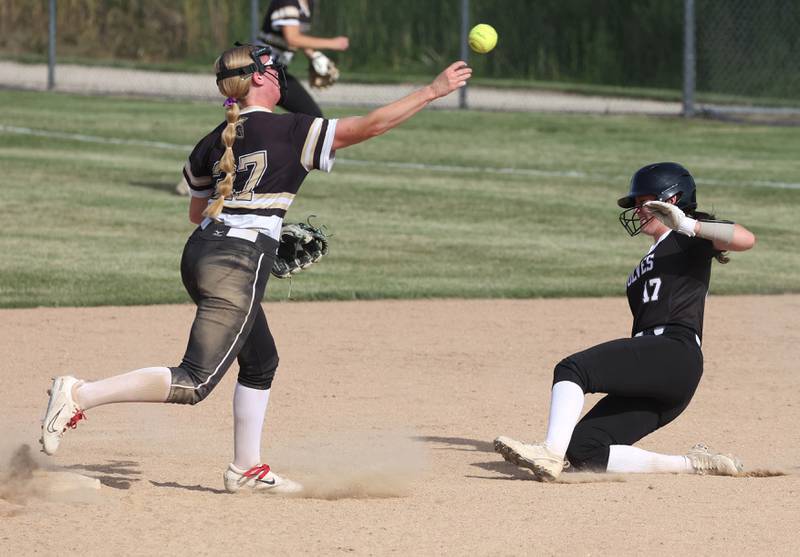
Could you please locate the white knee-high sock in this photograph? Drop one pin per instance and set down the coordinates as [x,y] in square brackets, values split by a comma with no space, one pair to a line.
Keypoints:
[150,384]
[249,408]
[566,404]
[626,459]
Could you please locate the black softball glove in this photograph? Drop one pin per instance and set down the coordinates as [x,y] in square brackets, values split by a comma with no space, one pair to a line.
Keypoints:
[301,246]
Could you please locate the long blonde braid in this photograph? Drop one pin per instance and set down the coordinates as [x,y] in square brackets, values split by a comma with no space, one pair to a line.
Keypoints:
[234,88]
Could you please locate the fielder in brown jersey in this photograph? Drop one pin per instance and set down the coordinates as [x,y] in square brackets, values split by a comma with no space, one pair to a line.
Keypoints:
[286,29]
[649,378]
[243,177]
[274,154]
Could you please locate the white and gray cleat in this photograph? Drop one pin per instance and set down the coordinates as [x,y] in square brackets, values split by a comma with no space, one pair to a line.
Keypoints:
[705,461]
[545,464]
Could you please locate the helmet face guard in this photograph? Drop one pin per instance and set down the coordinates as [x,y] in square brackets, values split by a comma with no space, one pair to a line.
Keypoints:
[256,52]
[629,219]
[662,181]
[283,86]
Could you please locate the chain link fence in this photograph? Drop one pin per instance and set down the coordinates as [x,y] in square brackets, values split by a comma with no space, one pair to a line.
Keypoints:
[748,58]
[569,55]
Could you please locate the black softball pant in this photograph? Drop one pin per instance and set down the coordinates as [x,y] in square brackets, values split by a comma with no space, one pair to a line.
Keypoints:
[649,380]
[298,100]
[226,277]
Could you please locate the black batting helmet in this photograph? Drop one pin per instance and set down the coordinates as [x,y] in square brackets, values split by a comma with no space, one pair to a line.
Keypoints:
[663,180]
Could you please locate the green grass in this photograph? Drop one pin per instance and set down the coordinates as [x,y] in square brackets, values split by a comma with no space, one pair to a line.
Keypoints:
[97,223]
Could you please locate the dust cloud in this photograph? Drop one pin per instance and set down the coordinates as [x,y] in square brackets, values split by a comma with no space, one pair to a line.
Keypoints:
[355,466]
[24,478]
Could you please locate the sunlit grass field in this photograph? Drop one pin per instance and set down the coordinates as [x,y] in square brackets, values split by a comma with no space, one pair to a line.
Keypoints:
[452,204]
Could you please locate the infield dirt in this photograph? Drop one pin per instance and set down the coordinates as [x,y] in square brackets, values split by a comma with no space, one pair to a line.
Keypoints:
[386,410]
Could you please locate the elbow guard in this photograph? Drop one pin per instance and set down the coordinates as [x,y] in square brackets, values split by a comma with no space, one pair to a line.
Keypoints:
[716,231]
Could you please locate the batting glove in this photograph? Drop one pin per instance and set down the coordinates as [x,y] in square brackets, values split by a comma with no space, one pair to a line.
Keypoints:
[672,216]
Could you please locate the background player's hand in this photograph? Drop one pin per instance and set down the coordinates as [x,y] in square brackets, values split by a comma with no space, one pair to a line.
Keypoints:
[672,216]
[340,43]
[322,73]
[322,64]
[452,78]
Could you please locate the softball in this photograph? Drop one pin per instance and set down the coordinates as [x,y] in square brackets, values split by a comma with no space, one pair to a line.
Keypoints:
[482,38]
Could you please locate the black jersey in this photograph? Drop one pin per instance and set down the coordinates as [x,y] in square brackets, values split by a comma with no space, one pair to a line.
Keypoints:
[273,154]
[670,284]
[280,14]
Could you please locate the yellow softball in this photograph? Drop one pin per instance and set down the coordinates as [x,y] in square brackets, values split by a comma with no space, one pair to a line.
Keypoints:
[482,38]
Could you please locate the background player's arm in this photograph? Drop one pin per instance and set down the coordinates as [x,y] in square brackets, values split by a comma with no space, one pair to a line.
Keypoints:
[296,39]
[356,129]
[196,207]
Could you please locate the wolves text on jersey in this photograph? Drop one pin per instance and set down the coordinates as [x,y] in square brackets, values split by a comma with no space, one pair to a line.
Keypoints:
[644,266]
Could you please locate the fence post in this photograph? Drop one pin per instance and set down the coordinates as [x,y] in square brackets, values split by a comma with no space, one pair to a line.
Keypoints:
[462,93]
[51,48]
[689,58]
[254,19]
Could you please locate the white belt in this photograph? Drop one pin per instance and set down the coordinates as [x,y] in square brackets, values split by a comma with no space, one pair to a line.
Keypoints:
[657,331]
[244,233]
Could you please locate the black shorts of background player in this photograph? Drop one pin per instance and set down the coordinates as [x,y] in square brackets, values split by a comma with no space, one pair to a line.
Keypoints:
[286,28]
[244,176]
[649,378]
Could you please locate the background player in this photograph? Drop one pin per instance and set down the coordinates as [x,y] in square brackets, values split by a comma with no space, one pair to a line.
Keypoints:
[244,176]
[651,377]
[285,29]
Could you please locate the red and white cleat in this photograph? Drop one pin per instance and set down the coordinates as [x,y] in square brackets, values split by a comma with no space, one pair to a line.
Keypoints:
[259,478]
[62,413]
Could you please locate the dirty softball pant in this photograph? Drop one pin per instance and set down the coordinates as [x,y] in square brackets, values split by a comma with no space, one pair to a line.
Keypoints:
[649,380]
[226,276]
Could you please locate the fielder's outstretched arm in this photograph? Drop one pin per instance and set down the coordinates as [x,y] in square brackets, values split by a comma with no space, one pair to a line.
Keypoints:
[356,129]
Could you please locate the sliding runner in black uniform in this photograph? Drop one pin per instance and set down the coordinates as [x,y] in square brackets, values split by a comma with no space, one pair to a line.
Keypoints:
[651,377]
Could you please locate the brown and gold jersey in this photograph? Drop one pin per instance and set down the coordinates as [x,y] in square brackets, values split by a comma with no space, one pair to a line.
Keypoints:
[273,154]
